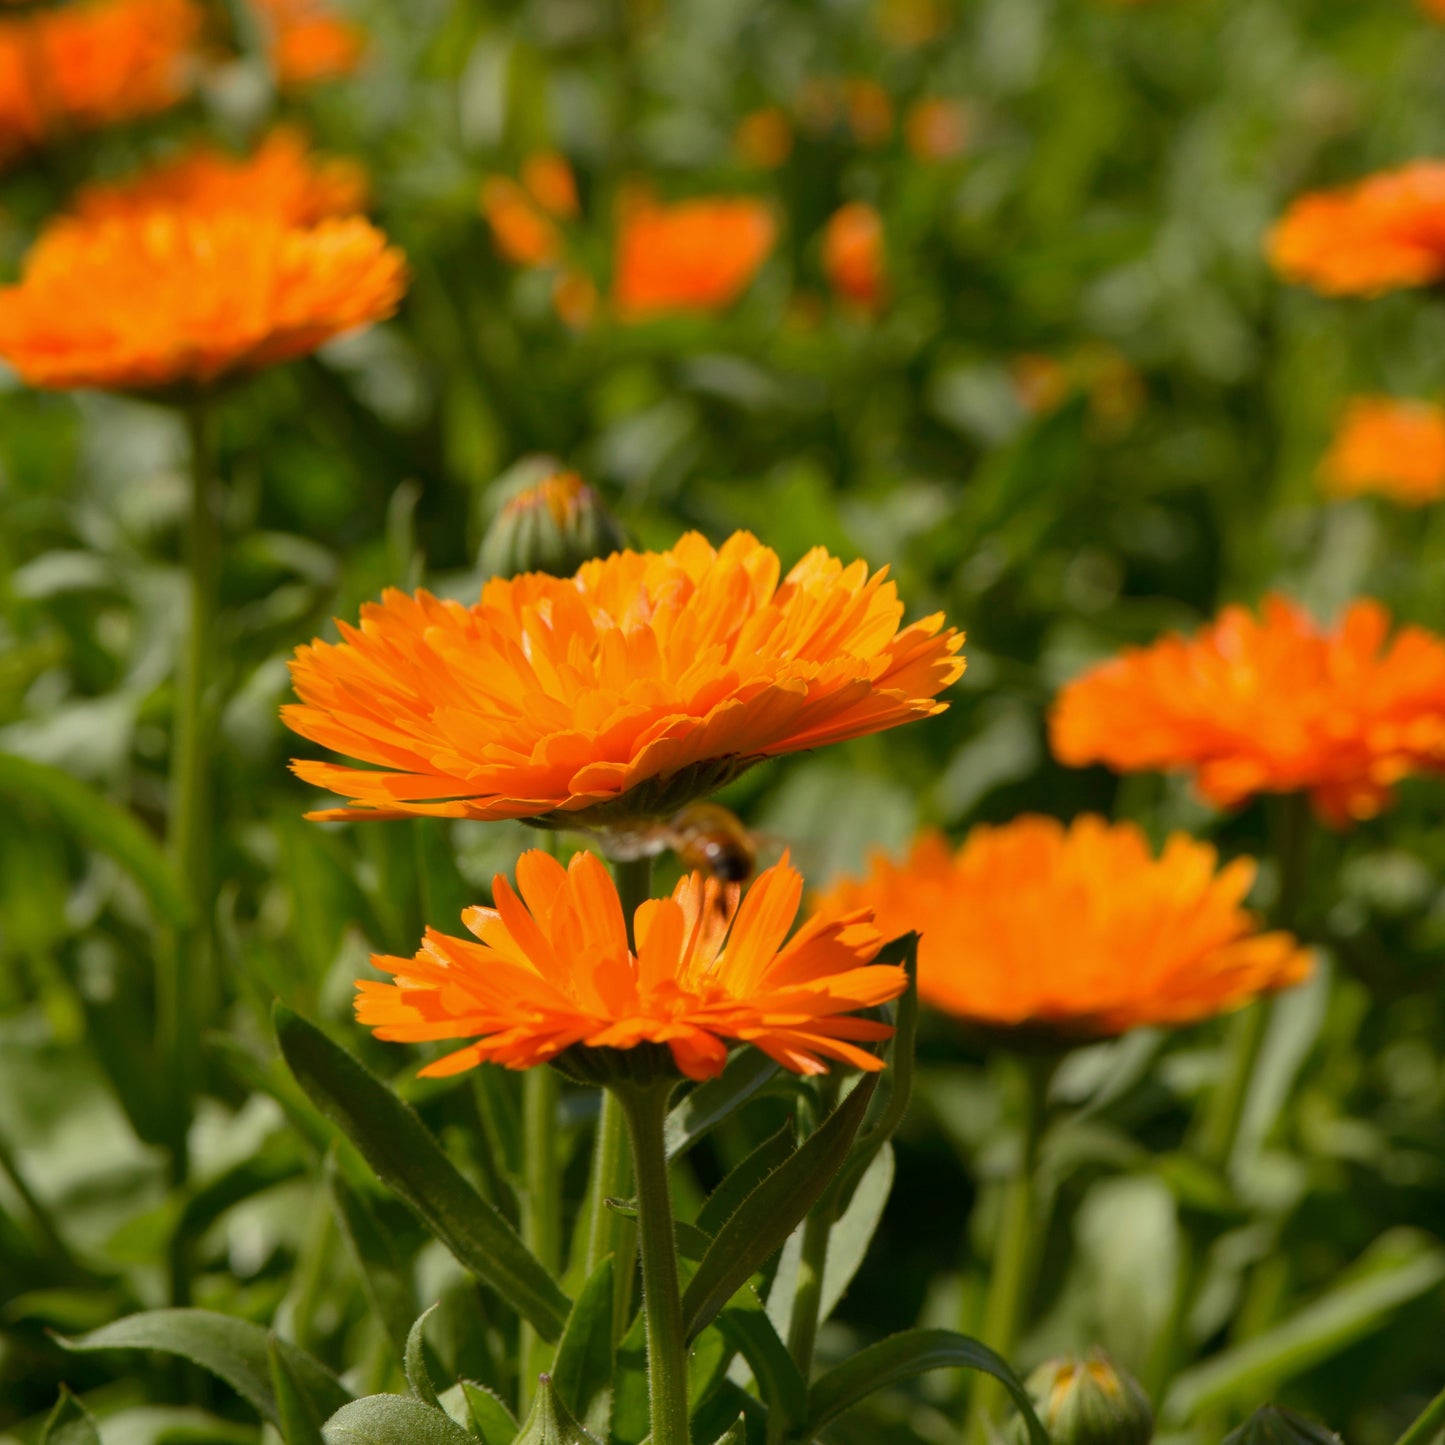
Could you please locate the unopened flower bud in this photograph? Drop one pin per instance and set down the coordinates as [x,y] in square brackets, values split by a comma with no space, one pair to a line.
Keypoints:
[1089,1402]
[551,522]
[1270,1425]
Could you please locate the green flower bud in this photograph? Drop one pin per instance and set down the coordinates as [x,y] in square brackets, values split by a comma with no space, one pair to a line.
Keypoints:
[1270,1425]
[550,521]
[1089,1402]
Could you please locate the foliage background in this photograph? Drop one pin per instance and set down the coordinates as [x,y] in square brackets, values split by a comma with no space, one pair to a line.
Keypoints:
[1123,164]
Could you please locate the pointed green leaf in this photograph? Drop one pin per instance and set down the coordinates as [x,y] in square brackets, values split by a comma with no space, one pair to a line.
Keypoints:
[300,1421]
[760,1226]
[417,1374]
[550,1422]
[384,1279]
[235,1351]
[747,1328]
[70,1423]
[738,1183]
[96,821]
[901,1357]
[393,1420]
[736,1433]
[582,1371]
[719,1415]
[491,1419]
[711,1102]
[400,1148]
[1398,1268]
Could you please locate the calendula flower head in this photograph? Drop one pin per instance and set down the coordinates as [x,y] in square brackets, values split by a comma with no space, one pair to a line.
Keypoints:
[181,298]
[88,65]
[523,233]
[1391,448]
[280,178]
[1383,233]
[1088,1401]
[549,180]
[853,255]
[552,523]
[553,971]
[308,42]
[1076,932]
[937,129]
[647,680]
[698,255]
[1269,704]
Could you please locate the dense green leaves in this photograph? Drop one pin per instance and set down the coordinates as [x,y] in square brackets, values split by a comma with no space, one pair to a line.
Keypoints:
[902,1357]
[234,1350]
[399,1147]
[759,1226]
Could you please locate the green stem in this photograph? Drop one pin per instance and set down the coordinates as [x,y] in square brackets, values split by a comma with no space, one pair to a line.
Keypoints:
[183,962]
[541,1201]
[607,1232]
[1291,830]
[813,1255]
[644,1107]
[1011,1276]
[1428,1426]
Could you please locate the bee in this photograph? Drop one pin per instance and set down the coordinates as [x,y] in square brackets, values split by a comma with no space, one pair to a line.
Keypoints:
[706,837]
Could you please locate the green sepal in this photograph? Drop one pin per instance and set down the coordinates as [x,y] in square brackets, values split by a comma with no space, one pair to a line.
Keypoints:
[491,1419]
[550,1422]
[393,1420]
[417,1374]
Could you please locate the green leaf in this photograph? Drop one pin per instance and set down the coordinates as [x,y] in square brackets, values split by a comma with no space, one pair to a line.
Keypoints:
[711,1102]
[900,1357]
[235,1351]
[736,1433]
[384,1279]
[70,1423]
[582,1370]
[300,1422]
[393,1420]
[491,1419]
[738,1183]
[760,1226]
[417,1374]
[550,1422]
[400,1148]
[747,1328]
[848,1242]
[1399,1268]
[99,823]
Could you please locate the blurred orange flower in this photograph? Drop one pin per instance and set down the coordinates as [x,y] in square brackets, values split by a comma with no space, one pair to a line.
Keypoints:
[281,178]
[1380,234]
[1079,930]
[1275,704]
[649,679]
[553,970]
[698,255]
[550,182]
[853,255]
[870,111]
[177,298]
[85,66]
[523,235]
[937,129]
[1394,448]
[764,137]
[575,299]
[309,43]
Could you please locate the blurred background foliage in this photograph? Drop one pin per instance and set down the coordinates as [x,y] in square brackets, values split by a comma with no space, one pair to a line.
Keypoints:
[1085,412]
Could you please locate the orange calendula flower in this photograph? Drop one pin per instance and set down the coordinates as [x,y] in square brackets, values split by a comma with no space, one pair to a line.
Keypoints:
[309,43]
[85,66]
[1274,704]
[553,971]
[281,178]
[1393,448]
[937,129]
[524,236]
[1380,234]
[696,255]
[1078,931]
[764,137]
[550,182]
[853,255]
[645,681]
[175,298]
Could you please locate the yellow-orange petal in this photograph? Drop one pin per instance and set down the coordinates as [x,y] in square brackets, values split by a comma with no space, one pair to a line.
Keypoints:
[1390,448]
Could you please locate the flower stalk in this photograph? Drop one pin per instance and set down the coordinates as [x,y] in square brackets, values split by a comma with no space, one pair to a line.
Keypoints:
[644,1107]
